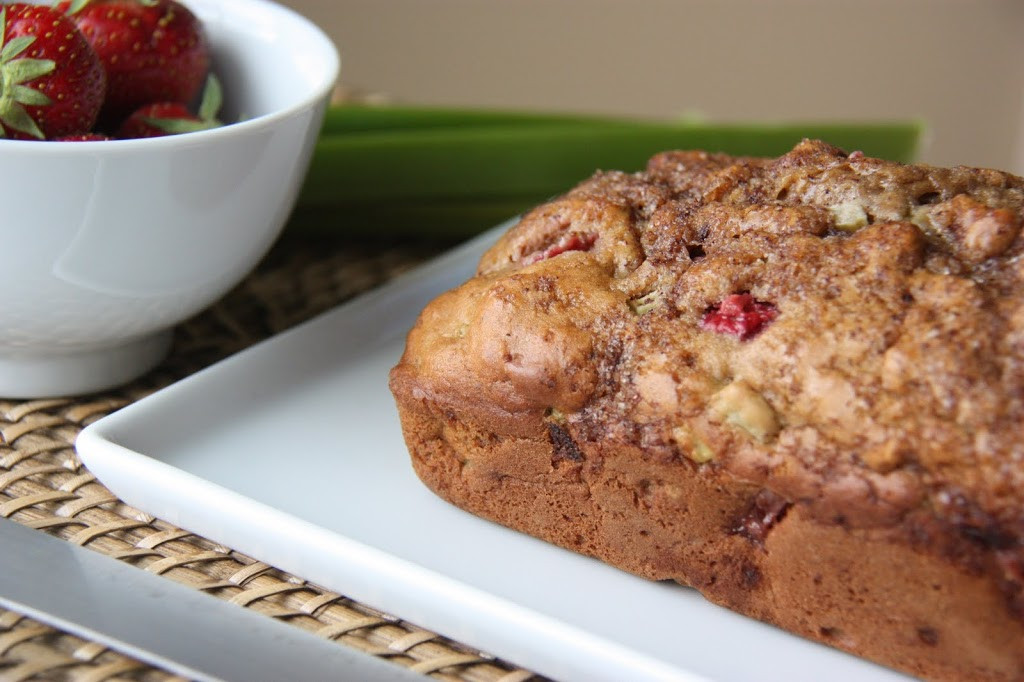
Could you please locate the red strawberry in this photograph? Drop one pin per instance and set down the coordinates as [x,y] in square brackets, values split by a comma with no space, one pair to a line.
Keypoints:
[82,137]
[574,241]
[153,50]
[51,81]
[172,118]
[154,120]
[739,315]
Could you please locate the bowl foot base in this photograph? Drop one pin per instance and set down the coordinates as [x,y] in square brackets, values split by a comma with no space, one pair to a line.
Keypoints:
[25,375]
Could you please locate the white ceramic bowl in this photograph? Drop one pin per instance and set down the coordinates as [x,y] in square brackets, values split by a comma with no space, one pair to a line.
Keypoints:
[107,245]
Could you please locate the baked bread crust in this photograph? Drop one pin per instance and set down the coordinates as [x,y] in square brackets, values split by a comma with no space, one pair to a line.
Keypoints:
[795,384]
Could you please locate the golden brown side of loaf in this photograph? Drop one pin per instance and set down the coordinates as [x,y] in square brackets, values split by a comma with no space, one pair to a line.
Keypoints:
[796,384]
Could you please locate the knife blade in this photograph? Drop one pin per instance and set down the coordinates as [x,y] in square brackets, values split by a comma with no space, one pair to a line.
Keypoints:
[164,623]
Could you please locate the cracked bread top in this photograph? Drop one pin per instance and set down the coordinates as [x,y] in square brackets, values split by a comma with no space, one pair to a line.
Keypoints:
[845,331]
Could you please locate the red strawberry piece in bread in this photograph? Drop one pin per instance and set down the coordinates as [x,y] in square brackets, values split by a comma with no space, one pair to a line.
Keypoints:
[153,51]
[51,81]
[173,118]
[739,315]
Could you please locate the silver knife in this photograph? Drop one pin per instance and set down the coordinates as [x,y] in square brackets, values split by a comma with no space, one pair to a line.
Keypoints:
[164,623]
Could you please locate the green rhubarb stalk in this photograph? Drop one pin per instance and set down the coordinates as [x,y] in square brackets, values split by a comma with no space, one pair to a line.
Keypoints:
[436,172]
[545,159]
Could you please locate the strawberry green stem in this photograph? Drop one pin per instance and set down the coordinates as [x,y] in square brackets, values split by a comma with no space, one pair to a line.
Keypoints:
[14,73]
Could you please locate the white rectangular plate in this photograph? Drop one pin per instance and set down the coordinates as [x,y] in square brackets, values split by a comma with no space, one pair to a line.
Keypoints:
[291,452]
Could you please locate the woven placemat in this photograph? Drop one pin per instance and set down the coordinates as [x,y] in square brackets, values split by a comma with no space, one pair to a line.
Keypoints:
[44,485]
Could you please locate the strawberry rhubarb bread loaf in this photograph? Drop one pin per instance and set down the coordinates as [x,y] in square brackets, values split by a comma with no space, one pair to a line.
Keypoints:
[794,384]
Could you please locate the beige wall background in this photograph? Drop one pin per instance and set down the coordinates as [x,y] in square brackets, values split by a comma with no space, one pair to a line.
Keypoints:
[956,64]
